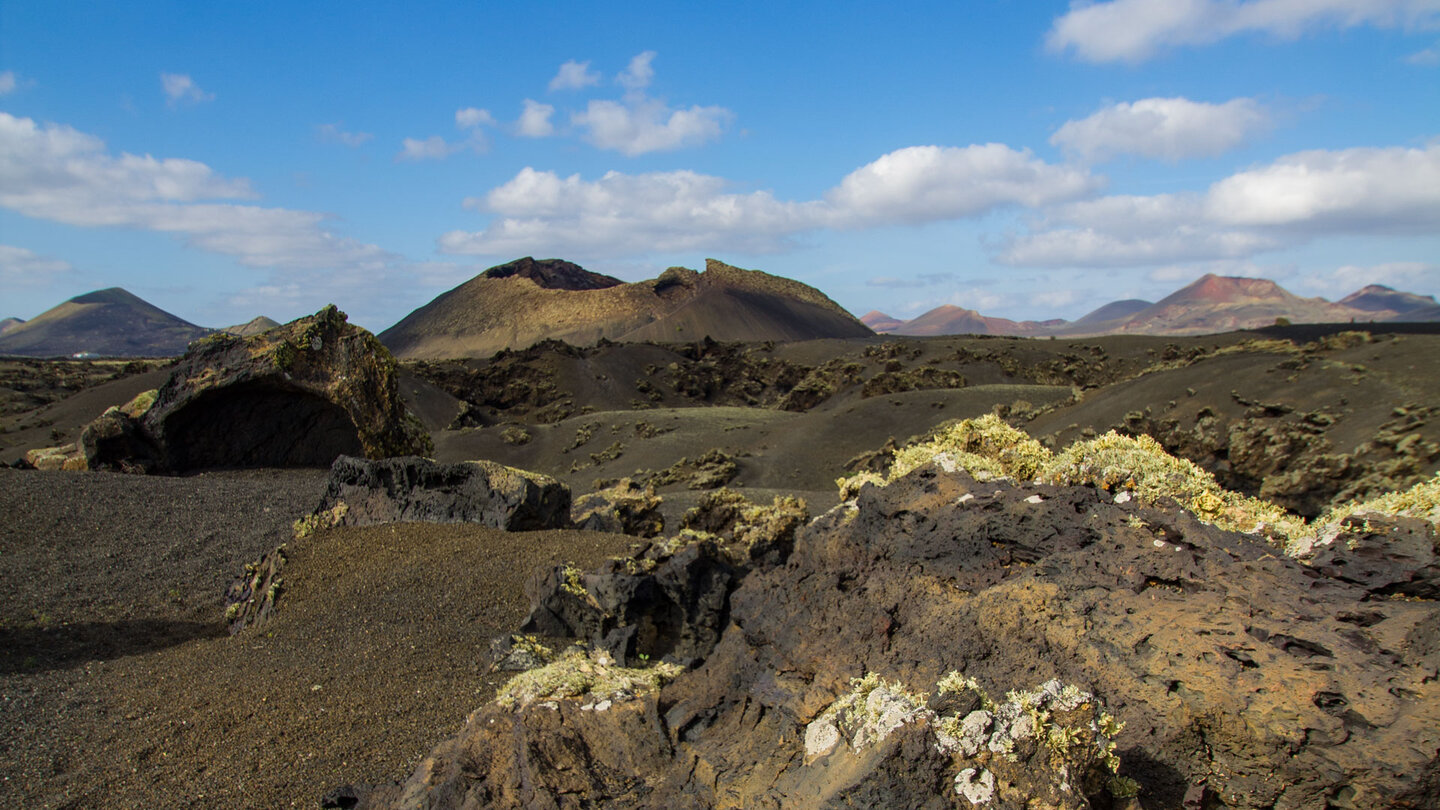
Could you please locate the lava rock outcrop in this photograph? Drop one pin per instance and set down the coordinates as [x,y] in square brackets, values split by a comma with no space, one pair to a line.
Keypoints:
[364,492]
[1236,677]
[295,396]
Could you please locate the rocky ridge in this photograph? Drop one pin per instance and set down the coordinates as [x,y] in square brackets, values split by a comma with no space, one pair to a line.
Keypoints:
[1147,655]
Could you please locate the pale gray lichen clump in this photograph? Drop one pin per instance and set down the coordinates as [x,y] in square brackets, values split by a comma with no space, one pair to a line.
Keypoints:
[872,710]
[1057,727]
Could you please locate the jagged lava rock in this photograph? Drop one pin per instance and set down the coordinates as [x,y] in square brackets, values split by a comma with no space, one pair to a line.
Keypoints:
[1385,554]
[625,507]
[363,492]
[1244,679]
[297,395]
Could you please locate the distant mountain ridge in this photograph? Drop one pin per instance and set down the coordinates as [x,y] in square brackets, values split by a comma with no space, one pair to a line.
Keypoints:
[1209,305]
[109,322]
[517,304]
[252,327]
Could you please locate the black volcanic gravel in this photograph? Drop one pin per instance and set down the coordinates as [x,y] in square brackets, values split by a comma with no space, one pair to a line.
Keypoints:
[119,686]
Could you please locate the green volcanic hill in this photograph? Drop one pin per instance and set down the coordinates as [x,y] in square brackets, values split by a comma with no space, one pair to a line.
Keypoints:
[109,322]
[515,305]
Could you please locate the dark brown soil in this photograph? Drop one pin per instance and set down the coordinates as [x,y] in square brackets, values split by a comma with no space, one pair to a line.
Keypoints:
[121,689]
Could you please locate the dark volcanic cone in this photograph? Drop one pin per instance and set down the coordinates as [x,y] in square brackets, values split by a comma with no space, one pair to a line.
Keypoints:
[109,322]
[516,305]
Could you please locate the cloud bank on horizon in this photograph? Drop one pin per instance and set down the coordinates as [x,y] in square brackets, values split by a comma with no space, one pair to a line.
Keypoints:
[1071,151]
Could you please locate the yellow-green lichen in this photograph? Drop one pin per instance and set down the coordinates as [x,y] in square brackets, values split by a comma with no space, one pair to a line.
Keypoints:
[1420,501]
[327,519]
[987,444]
[572,581]
[137,407]
[1139,464]
[1135,466]
[575,674]
[850,486]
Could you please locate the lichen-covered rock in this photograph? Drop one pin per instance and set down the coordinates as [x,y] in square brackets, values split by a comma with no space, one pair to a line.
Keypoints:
[577,752]
[251,599]
[760,534]
[417,489]
[670,604]
[1048,747]
[710,470]
[297,395]
[1237,677]
[514,652]
[63,457]
[624,508]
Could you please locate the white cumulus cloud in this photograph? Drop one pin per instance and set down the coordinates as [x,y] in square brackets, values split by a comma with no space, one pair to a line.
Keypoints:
[1360,190]
[929,183]
[436,147]
[57,173]
[179,88]
[1429,57]
[1135,30]
[573,76]
[639,73]
[622,214]
[334,133]
[535,120]
[431,148]
[1165,128]
[1293,200]
[472,117]
[636,126]
[1341,281]
[22,267]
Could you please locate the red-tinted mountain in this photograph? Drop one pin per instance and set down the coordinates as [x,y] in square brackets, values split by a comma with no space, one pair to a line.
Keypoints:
[518,304]
[879,321]
[8,324]
[110,322]
[1379,299]
[953,320]
[1223,304]
[1209,305]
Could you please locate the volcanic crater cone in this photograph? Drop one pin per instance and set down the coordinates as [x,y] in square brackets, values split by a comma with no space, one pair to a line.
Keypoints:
[110,322]
[515,305]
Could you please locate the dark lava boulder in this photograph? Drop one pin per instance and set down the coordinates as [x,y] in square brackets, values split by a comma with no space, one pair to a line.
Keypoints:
[298,395]
[865,670]
[363,492]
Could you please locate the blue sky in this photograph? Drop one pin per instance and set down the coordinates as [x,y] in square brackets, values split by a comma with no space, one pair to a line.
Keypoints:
[1026,159]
